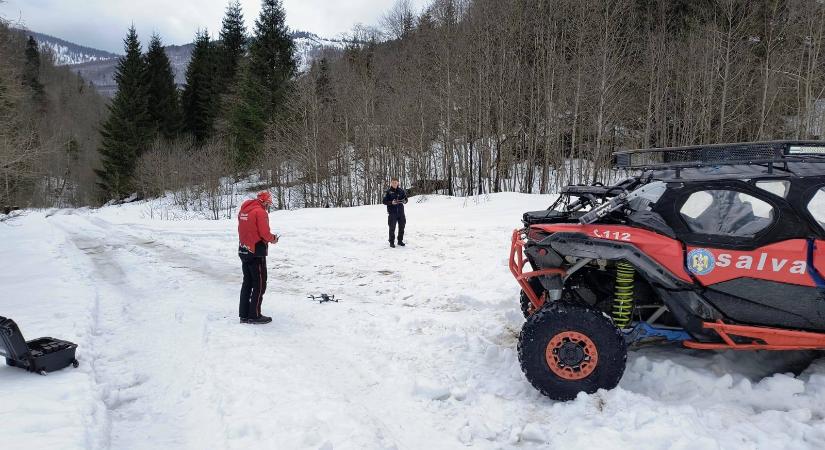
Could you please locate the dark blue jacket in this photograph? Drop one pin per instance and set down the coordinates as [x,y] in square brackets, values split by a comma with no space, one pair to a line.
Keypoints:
[395,194]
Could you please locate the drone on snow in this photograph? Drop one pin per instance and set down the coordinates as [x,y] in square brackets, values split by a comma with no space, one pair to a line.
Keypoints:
[323,298]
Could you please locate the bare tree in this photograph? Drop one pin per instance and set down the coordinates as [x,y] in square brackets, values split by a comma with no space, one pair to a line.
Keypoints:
[472,96]
[399,21]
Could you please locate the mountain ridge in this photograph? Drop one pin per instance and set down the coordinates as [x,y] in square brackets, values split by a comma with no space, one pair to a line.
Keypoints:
[98,66]
[67,52]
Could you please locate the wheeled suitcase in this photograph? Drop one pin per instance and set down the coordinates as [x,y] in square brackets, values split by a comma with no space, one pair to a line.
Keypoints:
[41,355]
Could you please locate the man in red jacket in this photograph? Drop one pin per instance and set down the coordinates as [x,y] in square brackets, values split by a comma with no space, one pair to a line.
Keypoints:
[254,236]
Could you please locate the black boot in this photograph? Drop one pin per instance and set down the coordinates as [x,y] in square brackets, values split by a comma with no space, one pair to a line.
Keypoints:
[401,243]
[244,320]
[260,320]
[392,244]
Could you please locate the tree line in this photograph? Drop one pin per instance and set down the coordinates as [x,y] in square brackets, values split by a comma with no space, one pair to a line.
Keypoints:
[462,97]
[478,96]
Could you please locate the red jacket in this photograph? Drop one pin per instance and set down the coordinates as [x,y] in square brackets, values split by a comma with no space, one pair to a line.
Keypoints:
[253,227]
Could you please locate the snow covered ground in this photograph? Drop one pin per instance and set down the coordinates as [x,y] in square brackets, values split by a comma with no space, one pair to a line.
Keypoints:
[419,353]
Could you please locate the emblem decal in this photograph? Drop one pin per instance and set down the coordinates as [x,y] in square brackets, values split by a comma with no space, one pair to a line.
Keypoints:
[700,261]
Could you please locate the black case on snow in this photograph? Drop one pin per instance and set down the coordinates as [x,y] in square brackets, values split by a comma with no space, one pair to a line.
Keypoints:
[41,355]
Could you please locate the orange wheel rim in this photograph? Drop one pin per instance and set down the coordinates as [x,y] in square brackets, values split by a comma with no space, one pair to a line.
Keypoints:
[571,355]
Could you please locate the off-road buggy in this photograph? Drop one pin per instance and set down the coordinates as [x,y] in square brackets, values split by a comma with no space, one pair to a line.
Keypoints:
[715,247]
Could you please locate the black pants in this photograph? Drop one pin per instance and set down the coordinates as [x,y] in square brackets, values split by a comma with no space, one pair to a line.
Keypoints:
[254,286]
[401,221]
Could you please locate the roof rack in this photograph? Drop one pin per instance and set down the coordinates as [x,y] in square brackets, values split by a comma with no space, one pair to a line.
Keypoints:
[766,153]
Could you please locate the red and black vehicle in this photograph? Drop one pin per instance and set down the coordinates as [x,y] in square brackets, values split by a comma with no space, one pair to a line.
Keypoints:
[715,246]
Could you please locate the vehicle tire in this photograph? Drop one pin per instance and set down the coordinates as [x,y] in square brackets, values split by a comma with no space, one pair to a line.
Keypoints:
[526,306]
[75,363]
[565,349]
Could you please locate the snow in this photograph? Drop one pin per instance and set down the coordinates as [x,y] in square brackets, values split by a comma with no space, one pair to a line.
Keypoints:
[64,55]
[307,49]
[68,53]
[419,353]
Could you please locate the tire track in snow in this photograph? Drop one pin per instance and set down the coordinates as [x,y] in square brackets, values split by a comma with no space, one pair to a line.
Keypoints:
[334,372]
[109,259]
[124,366]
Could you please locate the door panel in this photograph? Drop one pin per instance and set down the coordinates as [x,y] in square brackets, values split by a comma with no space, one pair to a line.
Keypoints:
[769,286]
[769,303]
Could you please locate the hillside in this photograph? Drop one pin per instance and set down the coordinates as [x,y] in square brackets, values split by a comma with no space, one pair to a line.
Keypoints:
[67,53]
[98,66]
[49,133]
[101,73]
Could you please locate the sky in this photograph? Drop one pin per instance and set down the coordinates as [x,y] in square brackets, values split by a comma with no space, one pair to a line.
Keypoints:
[102,24]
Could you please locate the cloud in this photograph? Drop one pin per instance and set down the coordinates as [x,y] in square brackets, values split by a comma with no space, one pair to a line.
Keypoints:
[103,23]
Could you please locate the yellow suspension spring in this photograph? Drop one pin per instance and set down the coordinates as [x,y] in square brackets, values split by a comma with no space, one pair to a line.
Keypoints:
[623,299]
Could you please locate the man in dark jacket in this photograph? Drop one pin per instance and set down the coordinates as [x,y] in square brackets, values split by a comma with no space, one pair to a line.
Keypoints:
[254,236]
[395,198]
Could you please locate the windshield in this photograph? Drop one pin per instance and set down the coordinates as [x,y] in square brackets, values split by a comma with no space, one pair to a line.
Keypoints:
[643,198]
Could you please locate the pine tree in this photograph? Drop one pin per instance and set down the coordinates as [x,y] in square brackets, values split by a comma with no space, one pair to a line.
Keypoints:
[200,97]
[164,107]
[326,97]
[128,131]
[323,85]
[232,45]
[31,70]
[264,86]
[246,116]
[272,53]
[426,22]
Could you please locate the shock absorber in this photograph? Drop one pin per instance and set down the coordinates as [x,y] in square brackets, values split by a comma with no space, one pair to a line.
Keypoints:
[623,298]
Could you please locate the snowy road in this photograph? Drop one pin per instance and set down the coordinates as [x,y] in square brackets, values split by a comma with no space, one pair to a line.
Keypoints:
[419,353]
